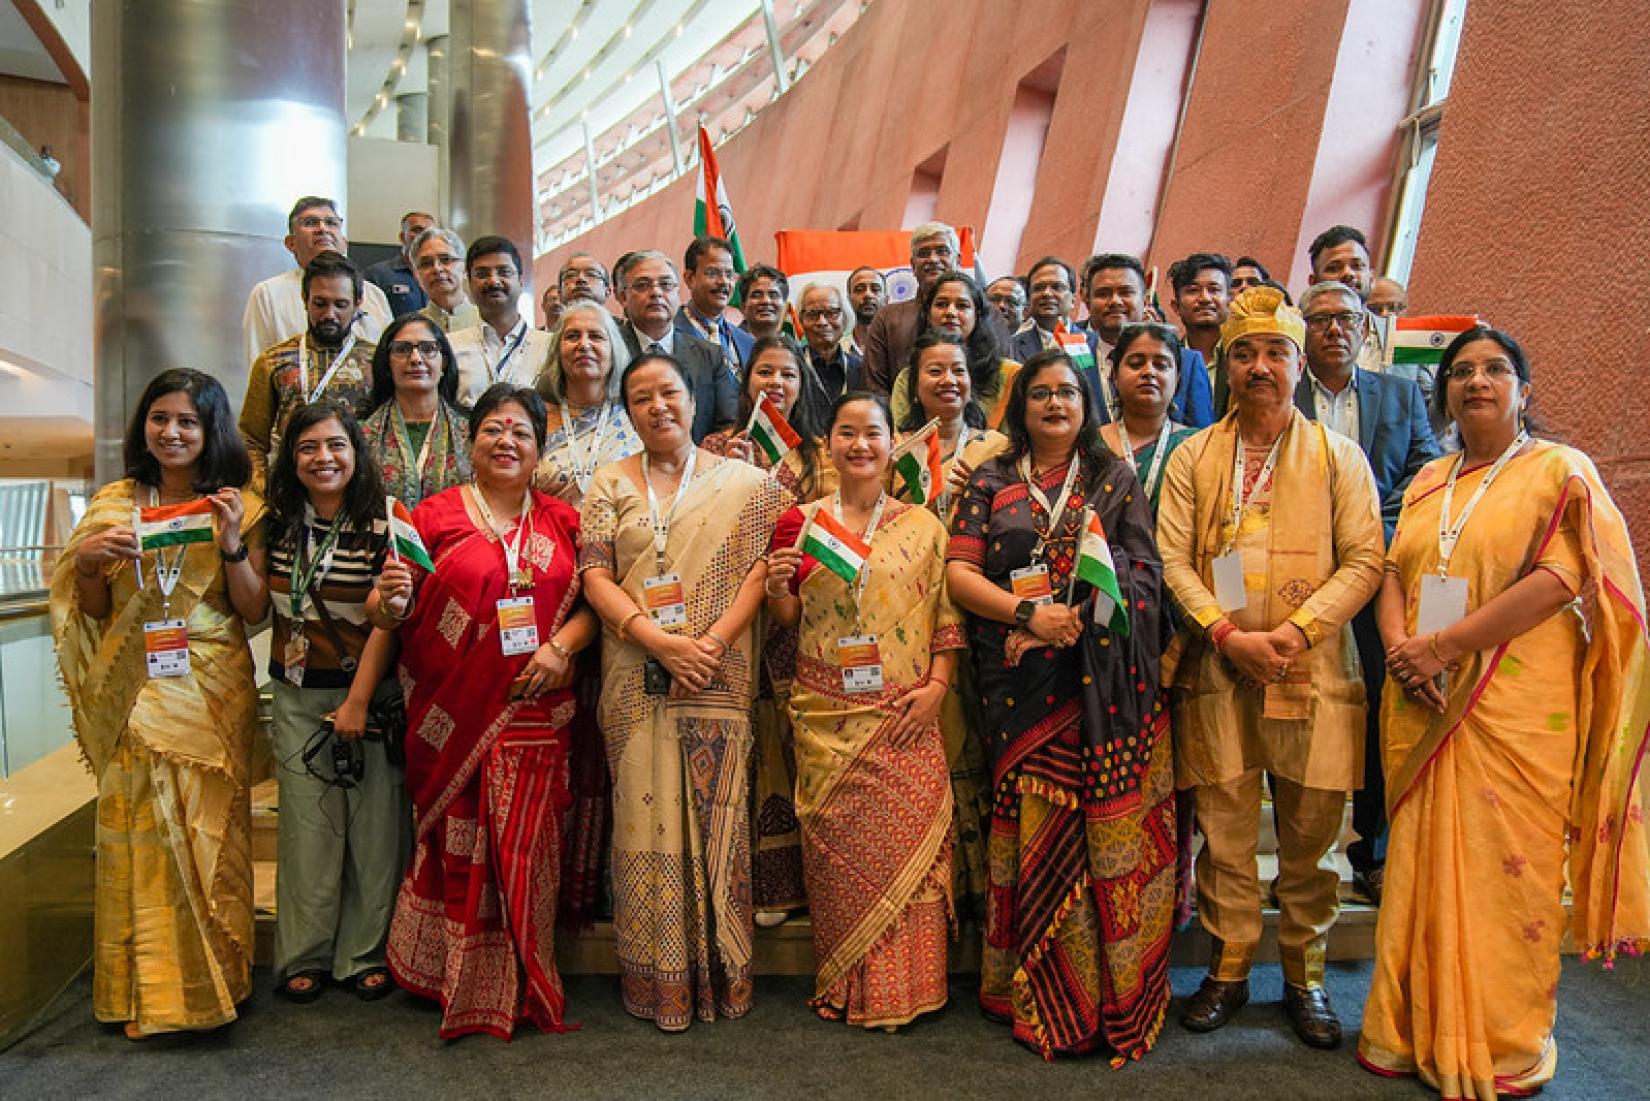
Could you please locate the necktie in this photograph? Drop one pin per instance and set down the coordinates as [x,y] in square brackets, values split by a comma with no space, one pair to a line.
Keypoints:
[656,347]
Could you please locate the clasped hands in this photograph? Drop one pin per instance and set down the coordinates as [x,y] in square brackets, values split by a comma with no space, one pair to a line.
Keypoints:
[692,662]
[1415,662]
[1055,625]
[1263,657]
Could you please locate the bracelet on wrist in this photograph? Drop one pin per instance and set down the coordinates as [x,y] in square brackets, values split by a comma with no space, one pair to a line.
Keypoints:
[718,639]
[623,624]
[1219,635]
[238,555]
[561,651]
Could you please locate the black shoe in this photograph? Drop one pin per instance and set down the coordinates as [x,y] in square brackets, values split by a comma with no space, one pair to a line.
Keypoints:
[1309,1011]
[1367,885]
[1213,1004]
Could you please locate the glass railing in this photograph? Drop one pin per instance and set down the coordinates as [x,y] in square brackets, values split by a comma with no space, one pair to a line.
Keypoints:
[34,713]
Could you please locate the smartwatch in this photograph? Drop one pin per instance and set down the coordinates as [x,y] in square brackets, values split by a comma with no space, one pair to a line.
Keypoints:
[1022,613]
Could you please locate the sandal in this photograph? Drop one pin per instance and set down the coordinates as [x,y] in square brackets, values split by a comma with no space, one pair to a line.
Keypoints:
[372,984]
[303,987]
[825,1010]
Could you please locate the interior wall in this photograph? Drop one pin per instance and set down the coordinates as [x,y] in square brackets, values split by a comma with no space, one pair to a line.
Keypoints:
[50,114]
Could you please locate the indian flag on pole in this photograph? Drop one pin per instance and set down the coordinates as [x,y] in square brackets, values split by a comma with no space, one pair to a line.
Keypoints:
[712,213]
[172,525]
[1422,340]
[1094,565]
[1075,345]
[834,546]
[770,431]
[920,465]
[404,538]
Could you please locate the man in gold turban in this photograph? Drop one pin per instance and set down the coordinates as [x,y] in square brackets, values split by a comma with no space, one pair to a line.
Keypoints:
[1270,532]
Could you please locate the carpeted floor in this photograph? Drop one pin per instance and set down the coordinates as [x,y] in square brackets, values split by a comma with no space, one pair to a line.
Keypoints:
[341,1048]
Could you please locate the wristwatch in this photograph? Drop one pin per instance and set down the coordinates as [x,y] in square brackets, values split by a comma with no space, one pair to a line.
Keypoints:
[1022,613]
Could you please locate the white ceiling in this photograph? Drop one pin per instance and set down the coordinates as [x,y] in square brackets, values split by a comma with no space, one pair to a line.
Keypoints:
[21,53]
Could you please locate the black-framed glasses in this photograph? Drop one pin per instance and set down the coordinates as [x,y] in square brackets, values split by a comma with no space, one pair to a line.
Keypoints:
[403,349]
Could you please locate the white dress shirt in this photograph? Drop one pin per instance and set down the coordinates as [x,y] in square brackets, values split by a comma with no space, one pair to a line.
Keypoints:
[275,312]
[479,351]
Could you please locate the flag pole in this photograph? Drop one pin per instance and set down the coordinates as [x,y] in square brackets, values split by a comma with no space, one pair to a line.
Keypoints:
[389,517]
[1077,557]
[137,533]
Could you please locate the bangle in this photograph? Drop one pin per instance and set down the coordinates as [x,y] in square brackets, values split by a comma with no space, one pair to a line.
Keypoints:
[939,680]
[1432,644]
[391,616]
[237,556]
[623,623]
[718,639]
[771,595]
[562,651]
[1222,631]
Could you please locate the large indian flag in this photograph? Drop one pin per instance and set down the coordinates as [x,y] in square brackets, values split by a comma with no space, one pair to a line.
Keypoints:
[712,213]
[1094,565]
[834,546]
[173,525]
[830,255]
[1423,339]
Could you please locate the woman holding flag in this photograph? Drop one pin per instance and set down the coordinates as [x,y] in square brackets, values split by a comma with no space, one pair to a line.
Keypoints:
[862,577]
[487,654]
[787,445]
[587,426]
[1145,370]
[1052,553]
[955,305]
[416,432]
[149,602]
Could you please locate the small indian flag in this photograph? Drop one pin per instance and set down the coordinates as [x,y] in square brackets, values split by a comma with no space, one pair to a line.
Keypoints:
[1075,345]
[1423,339]
[1094,565]
[834,546]
[171,525]
[770,431]
[404,538]
[920,465]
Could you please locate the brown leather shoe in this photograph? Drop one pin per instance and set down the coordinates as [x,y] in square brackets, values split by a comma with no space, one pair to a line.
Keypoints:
[1309,1011]
[1213,1004]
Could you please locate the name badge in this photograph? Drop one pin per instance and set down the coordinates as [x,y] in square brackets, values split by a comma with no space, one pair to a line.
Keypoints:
[294,656]
[518,626]
[861,662]
[1443,603]
[1230,593]
[666,601]
[1032,583]
[166,648]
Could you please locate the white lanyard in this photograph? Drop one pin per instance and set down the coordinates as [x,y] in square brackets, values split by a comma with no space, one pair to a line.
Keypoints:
[585,468]
[166,575]
[1156,471]
[858,587]
[301,579]
[661,524]
[310,396]
[517,335]
[1449,534]
[1240,500]
[1058,510]
[512,547]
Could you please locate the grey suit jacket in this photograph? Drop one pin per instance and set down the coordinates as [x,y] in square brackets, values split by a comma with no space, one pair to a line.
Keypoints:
[888,344]
[715,390]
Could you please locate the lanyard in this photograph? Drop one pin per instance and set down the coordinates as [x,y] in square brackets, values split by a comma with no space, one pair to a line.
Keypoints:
[1058,510]
[661,524]
[303,367]
[942,502]
[310,565]
[166,573]
[512,547]
[585,468]
[1240,500]
[1449,534]
[1156,471]
[517,335]
[403,444]
[858,587]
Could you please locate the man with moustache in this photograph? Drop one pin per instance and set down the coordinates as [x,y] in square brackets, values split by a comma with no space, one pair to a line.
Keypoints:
[1114,285]
[867,290]
[395,276]
[582,276]
[839,369]
[1052,285]
[327,359]
[648,289]
[503,347]
[1270,532]
[276,309]
[708,274]
[1007,296]
[438,261]
[935,250]
[763,292]
[550,303]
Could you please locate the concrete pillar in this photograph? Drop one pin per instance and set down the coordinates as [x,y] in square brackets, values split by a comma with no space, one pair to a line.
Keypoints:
[412,117]
[208,120]
[438,114]
[490,166]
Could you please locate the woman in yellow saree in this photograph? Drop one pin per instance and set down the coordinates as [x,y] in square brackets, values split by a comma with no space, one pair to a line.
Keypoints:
[1514,622]
[167,728]
[875,658]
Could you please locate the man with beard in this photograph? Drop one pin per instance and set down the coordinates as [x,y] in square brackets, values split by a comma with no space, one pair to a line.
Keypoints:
[1341,254]
[1264,683]
[1007,296]
[708,273]
[328,358]
[648,290]
[1053,287]
[503,347]
[867,290]
[276,310]
[1114,285]
[395,276]
[438,261]
[935,250]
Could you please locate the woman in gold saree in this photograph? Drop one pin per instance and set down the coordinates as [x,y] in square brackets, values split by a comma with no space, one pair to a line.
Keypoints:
[169,741]
[1515,628]
[671,547]
[873,792]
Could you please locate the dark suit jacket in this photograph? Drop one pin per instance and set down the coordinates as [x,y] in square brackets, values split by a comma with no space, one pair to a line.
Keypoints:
[399,285]
[715,390]
[739,338]
[1026,344]
[1393,431]
[888,344]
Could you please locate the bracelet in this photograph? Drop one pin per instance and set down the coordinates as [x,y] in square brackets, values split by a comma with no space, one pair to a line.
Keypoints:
[623,623]
[771,595]
[563,652]
[718,639]
[1222,631]
[939,680]
[238,556]
[391,616]
[1432,644]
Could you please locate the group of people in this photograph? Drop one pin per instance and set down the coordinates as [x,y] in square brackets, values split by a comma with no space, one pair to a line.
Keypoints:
[944,614]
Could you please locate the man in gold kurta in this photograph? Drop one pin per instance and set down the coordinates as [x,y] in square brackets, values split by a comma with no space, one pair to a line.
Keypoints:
[328,359]
[1270,532]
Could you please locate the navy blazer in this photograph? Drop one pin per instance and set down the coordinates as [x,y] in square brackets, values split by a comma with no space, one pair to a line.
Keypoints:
[1393,431]
[737,337]
[1191,405]
[399,285]
[1025,344]
[715,390]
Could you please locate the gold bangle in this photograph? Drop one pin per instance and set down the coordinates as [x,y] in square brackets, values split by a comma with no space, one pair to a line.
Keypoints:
[562,651]
[1432,644]
[718,639]
[623,623]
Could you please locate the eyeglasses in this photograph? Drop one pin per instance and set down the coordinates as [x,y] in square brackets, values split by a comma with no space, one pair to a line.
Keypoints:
[1042,394]
[933,252]
[402,349]
[1496,370]
[425,263]
[718,273]
[1320,322]
[648,286]
[313,221]
[822,315]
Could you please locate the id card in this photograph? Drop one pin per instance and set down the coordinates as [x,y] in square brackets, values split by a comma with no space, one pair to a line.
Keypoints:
[1230,593]
[294,656]
[166,648]
[1031,583]
[861,663]
[666,601]
[1443,603]
[518,626]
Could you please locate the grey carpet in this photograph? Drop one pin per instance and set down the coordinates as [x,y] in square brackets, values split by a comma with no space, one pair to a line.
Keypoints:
[339,1047]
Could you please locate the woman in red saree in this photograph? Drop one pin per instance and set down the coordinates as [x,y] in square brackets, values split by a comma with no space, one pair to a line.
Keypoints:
[488,714]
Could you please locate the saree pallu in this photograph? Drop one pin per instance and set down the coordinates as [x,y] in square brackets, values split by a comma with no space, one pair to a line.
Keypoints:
[173,911]
[1082,852]
[681,859]
[555,472]
[1534,762]
[447,465]
[475,917]
[875,815]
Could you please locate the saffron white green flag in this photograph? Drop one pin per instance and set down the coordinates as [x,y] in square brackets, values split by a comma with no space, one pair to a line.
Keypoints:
[712,213]
[172,525]
[834,546]
[404,538]
[920,464]
[1075,345]
[770,431]
[1423,339]
[1094,565]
